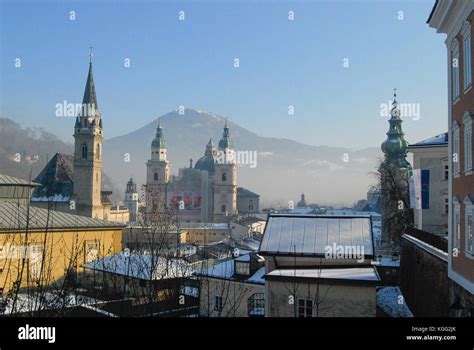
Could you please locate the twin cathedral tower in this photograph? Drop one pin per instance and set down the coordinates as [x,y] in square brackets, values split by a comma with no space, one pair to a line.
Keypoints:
[206,192]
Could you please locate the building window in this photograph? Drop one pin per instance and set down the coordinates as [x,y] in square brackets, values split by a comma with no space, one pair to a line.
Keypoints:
[468,233]
[224,177]
[457,225]
[467,60]
[97,151]
[84,151]
[218,303]
[446,170]
[305,308]
[256,305]
[223,208]
[467,121]
[36,262]
[91,251]
[155,176]
[456,149]
[250,207]
[455,70]
[446,206]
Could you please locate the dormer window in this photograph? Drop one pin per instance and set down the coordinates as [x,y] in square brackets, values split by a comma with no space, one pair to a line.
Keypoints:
[242,268]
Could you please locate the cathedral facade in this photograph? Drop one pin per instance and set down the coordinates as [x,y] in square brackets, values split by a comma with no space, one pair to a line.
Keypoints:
[206,192]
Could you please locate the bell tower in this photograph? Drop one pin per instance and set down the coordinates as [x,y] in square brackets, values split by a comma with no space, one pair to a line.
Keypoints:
[88,135]
[225,180]
[157,176]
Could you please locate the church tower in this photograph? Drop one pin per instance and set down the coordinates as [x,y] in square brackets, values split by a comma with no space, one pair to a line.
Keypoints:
[131,200]
[225,180]
[88,135]
[394,172]
[157,177]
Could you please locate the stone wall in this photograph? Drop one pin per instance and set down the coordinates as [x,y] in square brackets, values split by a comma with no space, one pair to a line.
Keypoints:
[424,279]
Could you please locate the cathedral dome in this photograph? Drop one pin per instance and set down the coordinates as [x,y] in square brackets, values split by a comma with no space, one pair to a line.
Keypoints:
[207,162]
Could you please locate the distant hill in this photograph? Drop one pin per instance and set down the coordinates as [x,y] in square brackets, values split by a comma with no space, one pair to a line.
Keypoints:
[24,152]
[284,170]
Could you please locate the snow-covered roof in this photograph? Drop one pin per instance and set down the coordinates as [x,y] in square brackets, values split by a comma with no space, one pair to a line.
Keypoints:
[388,261]
[311,234]
[258,277]
[358,273]
[45,301]
[142,266]
[388,299]
[440,140]
[225,270]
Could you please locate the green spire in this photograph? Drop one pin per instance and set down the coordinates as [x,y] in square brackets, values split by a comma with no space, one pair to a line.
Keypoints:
[159,140]
[226,141]
[395,147]
[90,97]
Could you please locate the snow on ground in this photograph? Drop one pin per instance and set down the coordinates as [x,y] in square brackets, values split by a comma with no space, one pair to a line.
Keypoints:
[392,302]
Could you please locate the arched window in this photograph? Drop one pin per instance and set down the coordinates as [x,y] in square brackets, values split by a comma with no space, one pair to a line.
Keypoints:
[156,176]
[97,151]
[224,177]
[84,151]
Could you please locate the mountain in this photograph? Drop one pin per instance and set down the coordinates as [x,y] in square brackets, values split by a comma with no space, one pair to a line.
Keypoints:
[284,168]
[24,152]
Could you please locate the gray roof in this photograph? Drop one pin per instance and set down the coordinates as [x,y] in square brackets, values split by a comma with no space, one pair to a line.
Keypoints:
[440,140]
[13,217]
[310,234]
[56,178]
[243,192]
[6,180]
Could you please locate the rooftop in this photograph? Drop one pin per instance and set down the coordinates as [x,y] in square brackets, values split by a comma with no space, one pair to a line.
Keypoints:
[440,140]
[310,234]
[354,274]
[141,266]
[243,192]
[6,180]
[14,217]
[225,270]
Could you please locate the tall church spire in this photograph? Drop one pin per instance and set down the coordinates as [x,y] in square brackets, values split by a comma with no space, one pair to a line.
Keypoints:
[90,97]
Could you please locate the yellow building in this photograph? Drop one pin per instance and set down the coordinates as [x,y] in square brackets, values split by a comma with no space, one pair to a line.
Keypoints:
[204,233]
[41,247]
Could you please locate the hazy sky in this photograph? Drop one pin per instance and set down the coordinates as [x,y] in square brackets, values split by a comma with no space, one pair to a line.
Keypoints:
[191,63]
